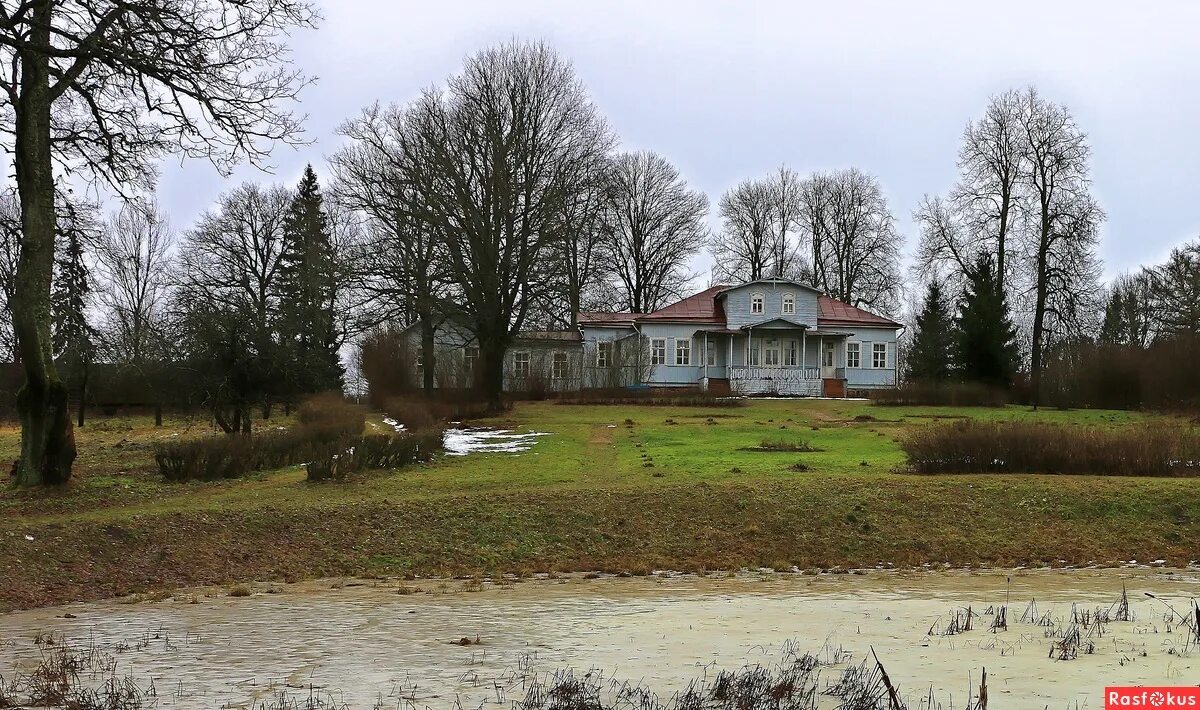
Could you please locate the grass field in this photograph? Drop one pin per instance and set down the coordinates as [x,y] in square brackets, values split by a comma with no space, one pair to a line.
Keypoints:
[615,488]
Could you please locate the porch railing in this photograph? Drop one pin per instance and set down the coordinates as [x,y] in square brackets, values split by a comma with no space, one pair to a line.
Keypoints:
[787,374]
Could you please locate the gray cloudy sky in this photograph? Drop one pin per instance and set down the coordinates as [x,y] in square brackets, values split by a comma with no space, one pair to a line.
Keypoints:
[731,90]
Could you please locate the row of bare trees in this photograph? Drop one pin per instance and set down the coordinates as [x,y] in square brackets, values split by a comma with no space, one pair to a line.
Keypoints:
[497,201]
[1023,202]
[833,230]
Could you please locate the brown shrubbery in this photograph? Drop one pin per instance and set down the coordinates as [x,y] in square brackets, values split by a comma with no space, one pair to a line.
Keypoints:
[971,446]
[327,427]
[419,414]
[943,394]
[1161,376]
[373,452]
[653,398]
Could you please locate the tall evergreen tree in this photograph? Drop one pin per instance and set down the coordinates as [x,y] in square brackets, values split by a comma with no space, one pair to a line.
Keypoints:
[71,334]
[307,285]
[986,339]
[931,357]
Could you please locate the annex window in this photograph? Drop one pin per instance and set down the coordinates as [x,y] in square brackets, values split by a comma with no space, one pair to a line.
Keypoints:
[793,353]
[603,354]
[756,303]
[771,353]
[470,356]
[853,354]
[521,363]
[754,345]
[658,351]
[683,351]
[789,304]
[879,355]
[710,354]
[420,361]
[558,366]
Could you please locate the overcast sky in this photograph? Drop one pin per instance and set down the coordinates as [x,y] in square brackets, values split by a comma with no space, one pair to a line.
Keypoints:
[731,90]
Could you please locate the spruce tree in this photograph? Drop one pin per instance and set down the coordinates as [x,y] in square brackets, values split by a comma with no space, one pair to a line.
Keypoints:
[72,337]
[307,288]
[930,359]
[986,339]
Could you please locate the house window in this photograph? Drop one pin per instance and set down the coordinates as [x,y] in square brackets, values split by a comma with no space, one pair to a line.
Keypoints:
[521,363]
[789,304]
[558,366]
[754,352]
[879,355]
[756,303]
[470,355]
[853,354]
[771,353]
[710,355]
[603,354]
[683,351]
[658,351]
[420,362]
[793,353]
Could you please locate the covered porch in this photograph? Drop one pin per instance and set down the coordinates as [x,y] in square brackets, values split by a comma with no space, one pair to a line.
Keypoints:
[778,357]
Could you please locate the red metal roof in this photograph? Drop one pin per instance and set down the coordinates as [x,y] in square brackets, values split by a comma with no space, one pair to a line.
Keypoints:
[702,307]
[599,318]
[705,307]
[834,312]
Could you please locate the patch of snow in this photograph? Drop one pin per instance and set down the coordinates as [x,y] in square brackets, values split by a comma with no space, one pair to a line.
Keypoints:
[29,538]
[460,442]
[393,424]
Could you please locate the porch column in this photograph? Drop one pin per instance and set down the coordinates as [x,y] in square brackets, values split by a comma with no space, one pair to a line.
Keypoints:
[804,352]
[705,355]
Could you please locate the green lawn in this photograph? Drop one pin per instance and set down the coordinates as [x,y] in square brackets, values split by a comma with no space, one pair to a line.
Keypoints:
[679,487]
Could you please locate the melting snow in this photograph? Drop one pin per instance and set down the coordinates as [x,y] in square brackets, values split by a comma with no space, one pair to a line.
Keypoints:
[460,442]
[393,423]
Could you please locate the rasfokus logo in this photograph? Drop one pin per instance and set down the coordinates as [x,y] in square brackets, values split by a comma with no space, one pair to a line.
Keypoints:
[1142,697]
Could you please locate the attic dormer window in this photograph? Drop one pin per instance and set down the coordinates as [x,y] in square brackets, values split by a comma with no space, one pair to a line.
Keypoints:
[789,304]
[756,303]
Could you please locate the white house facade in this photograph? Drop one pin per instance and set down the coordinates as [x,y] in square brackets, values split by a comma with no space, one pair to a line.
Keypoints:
[769,337]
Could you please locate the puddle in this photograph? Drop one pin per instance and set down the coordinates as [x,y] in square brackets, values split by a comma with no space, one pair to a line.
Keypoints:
[367,643]
[463,441]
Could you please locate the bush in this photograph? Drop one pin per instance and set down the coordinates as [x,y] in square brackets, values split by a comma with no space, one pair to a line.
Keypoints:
[329,416]
[211,459]
[1161,376]
[941,394]
[971,446]
[374,452]
[654,398]
[426,414]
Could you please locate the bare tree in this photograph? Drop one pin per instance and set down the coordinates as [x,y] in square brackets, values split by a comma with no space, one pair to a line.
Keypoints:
[1175,288]
[1130,315]
[990,164]
[104,87]
[856,250]
[746,247]
[584,258]
[400,263]
[498,157]
[653,224]
[134,266]
[944,251]
[1060,244]
[786,209]
[229,301]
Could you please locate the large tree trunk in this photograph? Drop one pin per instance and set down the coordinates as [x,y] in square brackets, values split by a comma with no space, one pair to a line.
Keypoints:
[490,376]
[427,354]
[1039,320]
[47,438]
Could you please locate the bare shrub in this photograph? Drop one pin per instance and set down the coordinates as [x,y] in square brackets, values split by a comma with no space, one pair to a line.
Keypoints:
[941,394]
[374,452]
[388,363]
[969,446]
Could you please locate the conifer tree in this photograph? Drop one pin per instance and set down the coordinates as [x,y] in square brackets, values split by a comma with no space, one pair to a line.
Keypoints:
[71,335]
[986,341]
[307,287]
[931,357]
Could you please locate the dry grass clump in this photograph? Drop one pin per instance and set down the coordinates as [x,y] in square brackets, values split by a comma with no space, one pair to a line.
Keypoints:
[775,445]
[971,446]
[946,394]
[419,414]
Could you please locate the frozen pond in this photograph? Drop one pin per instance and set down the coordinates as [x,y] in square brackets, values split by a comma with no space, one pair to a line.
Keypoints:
[396,642]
